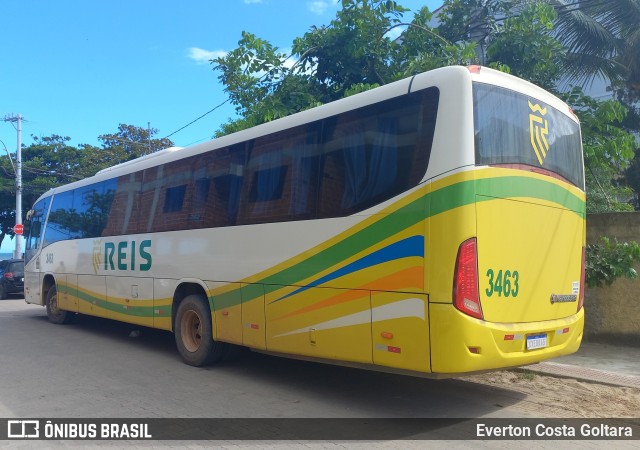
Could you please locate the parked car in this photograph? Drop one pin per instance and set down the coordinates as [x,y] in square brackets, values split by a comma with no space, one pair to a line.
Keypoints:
[11,277]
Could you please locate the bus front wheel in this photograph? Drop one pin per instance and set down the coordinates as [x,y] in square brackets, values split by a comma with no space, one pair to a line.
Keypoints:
[55,314]
[193,333]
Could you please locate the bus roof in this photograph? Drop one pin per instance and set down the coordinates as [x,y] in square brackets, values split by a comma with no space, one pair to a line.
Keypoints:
[417,82]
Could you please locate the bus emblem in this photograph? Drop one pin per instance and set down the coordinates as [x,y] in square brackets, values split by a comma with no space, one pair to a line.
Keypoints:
[538,131]
[97,255]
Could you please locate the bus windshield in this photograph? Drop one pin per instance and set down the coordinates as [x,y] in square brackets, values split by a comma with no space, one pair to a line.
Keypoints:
[513,128]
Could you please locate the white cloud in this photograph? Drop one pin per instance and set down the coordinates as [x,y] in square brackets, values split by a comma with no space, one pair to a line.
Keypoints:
[318,6]
[248,2]
[202,56]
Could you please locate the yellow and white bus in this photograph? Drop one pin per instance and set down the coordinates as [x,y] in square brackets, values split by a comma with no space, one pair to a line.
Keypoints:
[434,226]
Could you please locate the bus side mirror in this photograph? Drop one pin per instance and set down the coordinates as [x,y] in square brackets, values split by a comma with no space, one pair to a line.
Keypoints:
[30,214]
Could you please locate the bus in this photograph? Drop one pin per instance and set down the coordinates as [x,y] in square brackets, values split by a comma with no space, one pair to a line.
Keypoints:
[434,226]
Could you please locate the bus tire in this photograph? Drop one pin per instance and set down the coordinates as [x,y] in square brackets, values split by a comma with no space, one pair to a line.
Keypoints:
[56,315]
[3,293]
[193,333]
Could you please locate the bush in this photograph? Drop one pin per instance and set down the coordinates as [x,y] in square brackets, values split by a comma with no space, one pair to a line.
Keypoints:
[609,259]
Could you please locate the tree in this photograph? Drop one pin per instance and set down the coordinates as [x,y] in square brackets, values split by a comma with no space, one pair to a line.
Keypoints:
[423,48]
[602,39]
[47,162]
[608,150]
[262,84]
[353,48]
[351,54]
[523,42]
[131,142]
[50,161]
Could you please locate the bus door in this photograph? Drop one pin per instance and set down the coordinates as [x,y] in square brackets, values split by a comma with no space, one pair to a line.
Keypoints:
[33,272]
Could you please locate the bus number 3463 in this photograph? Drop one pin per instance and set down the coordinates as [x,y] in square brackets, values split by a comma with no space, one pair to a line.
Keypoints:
[503,283]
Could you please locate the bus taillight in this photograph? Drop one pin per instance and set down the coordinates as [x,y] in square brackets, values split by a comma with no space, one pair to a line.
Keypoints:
[465,281]
[582,269]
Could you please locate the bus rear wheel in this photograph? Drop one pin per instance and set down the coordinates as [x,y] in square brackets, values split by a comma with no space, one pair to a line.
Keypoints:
[193,333]
[55,314]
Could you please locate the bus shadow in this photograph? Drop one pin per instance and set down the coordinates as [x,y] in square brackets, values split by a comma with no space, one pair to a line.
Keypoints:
[360,392]
[387,394]
[151,339]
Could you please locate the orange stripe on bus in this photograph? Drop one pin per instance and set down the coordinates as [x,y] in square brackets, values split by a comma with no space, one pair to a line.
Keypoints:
[411,277]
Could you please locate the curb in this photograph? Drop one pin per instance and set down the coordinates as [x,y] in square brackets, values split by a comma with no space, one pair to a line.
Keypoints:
[584,374]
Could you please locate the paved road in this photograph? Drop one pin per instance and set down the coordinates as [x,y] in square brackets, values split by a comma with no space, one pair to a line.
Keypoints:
[95,369]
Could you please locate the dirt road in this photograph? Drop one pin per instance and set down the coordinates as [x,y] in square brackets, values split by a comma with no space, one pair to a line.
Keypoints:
[565,397]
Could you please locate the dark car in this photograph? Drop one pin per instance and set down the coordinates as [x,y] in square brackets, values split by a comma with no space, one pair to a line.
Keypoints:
[11,277]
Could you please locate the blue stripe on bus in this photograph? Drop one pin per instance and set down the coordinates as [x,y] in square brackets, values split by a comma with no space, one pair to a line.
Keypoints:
[411,246]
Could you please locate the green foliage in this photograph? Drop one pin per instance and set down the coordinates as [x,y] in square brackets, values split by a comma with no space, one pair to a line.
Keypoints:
[128,143]
[424,48]
[609,260]
[334,61]
[352,48]
[251,72]
[524,43]
[605,142]
[608,151]
[462,20]
[358,88]
[602,39]
[354,53]
[632,174]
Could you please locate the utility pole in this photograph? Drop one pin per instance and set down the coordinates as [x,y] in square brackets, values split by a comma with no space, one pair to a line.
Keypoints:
[18,121]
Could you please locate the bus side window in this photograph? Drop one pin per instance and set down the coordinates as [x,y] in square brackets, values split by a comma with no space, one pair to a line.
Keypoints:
[218,184]
[92,205]
[63,222]
[163,194]
[124,196]
[281,177]
[376,152]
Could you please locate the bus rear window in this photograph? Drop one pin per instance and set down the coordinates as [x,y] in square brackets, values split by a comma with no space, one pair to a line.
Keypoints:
[513,128]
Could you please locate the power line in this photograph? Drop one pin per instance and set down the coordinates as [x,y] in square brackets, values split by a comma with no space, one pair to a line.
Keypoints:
[195,120]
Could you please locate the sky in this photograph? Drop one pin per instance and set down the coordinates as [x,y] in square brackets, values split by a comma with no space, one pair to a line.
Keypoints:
[79,68]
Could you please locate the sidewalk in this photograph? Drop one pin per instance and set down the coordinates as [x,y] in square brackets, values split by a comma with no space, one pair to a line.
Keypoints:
[615,365]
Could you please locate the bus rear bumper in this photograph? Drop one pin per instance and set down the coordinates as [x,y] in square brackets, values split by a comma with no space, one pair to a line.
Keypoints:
[462,344]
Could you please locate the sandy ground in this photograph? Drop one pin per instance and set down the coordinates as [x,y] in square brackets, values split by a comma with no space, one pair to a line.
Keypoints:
[565,397]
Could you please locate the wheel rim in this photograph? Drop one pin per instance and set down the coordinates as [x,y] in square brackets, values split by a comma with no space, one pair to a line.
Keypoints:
[191,330]
[53,304]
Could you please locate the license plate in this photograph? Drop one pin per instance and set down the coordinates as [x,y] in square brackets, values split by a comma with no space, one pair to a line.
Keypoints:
[536,341]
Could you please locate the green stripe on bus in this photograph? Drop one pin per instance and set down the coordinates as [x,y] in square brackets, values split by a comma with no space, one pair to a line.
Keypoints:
[440,201]
[464,193]
[137,311]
